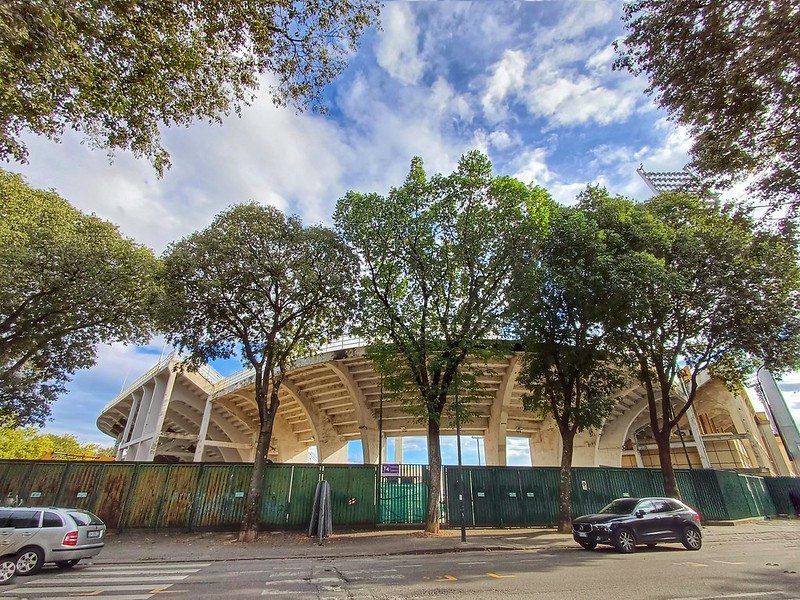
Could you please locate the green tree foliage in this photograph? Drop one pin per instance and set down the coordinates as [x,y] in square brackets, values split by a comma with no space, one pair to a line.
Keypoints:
[118,70]
[728,70]
[30,443]
[437,255]
[705,287]
[68,282]
[564,309]
[258,283]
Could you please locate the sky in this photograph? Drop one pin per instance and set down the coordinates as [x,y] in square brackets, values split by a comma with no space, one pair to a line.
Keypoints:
[528,83]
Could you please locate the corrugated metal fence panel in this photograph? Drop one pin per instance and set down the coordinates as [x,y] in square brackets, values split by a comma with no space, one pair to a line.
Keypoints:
[219,497]
[760,495]
[543,483]
[109,497]
[301,500]
[503,496]
[40,485]
[735,494]
[590,490]
[404,496]
[178,496]
[781,490]
[143,504]
[80,484]
[709,501]
[275,496]
[352,493]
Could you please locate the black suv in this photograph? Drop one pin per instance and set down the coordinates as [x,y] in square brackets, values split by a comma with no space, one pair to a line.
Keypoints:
[627,522]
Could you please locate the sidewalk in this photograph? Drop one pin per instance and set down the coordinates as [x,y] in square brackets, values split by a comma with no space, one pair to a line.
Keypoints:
[136,547]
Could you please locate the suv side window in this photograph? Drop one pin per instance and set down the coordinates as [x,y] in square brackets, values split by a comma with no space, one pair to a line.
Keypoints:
[24,519]
[663,506]
[52,519]
[647,506]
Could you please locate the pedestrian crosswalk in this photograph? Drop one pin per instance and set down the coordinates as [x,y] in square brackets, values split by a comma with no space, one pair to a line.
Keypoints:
[120,582]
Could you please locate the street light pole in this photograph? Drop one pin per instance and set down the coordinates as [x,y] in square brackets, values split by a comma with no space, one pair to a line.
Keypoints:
[460,466]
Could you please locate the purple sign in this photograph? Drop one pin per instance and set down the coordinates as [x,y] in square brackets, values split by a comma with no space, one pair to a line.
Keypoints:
[390,470]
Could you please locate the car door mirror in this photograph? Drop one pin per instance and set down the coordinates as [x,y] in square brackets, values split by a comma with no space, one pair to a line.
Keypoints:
[639,513]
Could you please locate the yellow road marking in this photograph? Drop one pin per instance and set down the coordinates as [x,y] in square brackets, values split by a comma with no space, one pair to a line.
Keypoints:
[496,576]
[446,578]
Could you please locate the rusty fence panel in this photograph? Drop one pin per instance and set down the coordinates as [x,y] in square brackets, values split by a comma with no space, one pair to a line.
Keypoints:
[219,496]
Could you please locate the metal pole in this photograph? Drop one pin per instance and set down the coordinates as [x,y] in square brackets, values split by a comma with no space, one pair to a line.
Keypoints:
[460,467]
[380,455]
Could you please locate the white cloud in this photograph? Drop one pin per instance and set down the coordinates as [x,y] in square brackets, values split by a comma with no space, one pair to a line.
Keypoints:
[530,166]
[508,75]
[396,48]
[575,100]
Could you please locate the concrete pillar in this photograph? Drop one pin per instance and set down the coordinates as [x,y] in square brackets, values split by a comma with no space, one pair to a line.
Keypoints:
[398,450]
[201,435]
[158,425]
[332,450]
[126,433]
[697,434]
[494,440]
[546,447]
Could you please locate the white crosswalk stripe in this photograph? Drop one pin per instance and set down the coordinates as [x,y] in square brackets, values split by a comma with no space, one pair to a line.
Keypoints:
[120,582]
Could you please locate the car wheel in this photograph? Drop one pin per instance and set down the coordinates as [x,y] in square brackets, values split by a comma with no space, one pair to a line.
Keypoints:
[67,564]
[624,541]
[8,568]
[29,561]
[589,545]
[692,540]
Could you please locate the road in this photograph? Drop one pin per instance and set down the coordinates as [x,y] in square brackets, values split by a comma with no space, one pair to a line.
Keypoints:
[752,569]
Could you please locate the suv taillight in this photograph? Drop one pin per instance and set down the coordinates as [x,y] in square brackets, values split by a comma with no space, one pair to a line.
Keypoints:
[71,539]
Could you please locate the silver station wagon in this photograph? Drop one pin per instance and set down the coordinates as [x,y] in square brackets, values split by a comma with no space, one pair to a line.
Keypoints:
[44,534]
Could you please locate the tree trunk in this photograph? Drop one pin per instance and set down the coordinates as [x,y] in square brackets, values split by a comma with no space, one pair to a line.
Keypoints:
[565,500]
[435,491]
[665,458]
[249,529]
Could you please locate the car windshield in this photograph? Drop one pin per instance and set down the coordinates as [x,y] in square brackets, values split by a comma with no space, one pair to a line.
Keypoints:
[623,506]
[84,517]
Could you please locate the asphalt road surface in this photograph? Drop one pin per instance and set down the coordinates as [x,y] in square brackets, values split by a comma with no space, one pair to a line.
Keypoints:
[760,570]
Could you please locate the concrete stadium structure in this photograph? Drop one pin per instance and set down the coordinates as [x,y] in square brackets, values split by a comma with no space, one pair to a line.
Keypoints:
[334,398]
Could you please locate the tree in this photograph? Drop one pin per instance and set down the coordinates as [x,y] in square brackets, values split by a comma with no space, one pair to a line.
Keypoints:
[437,256]
[564,309]
[119,70]
[259,283]
[31,444]
[68,282]
[727,69]
[706,289]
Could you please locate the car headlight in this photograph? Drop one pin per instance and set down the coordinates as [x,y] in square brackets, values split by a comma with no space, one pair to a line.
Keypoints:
[601,527]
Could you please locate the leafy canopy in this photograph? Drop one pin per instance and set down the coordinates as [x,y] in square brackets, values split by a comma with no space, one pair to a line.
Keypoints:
[30,443]
[727,69]
[437,256]
[564,308]
[117,70]
[68,282]
[258,282]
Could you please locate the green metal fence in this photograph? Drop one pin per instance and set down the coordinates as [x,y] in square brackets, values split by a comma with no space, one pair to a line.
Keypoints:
[528,496]
[211,496]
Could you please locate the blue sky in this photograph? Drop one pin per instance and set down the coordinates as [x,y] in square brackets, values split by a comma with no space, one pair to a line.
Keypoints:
[529,83]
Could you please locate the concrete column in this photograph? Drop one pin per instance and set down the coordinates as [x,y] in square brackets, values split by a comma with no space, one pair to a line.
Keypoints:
[126,434]
[201,435]
[158,426]
[332,450]
[697,434]
[546,447]
[494,440]
[398,450]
